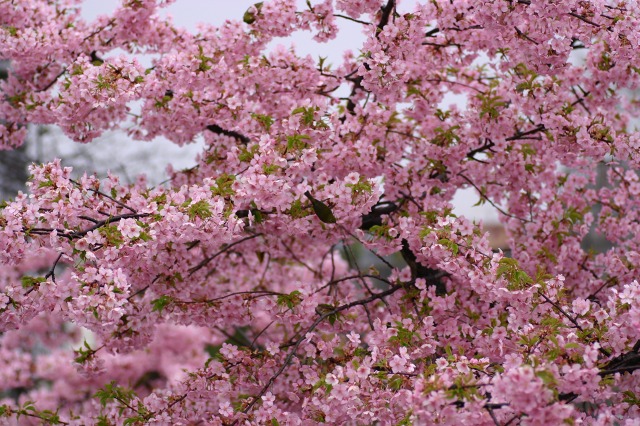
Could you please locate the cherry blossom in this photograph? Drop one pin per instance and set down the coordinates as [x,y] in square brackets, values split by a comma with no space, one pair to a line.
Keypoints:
[242,290]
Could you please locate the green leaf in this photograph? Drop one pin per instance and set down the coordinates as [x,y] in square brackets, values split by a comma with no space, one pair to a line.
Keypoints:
[297,211]
[269,169]
[112,392]
[5,410]
[333,318]
[403,337]
[112,234]
[160,303]
[199,209]
[396,382]
[324,309]
[13,31]
[308,115]
[45,184]
[297,142]
[631,398]
[361,352]
[321,210]
[255,211]
[246,155]
[406,420]
[509,269]
[290,300]
[547,377]
[449,244]
[265,120]
[49,417]
[321,61]
[573,215]
[363,186]
[83,354]
[223,186]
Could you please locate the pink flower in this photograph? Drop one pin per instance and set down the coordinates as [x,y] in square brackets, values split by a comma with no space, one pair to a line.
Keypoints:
[82,244]
[268,399]
[581,306]
[352,178]
[129,228]
[225,410]
[363,372]
[354,338]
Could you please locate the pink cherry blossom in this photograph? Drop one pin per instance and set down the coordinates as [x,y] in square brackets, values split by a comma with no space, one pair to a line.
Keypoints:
[310,268]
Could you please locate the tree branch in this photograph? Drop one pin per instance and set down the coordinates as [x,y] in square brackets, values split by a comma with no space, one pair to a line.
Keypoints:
[232,133]
[310,329]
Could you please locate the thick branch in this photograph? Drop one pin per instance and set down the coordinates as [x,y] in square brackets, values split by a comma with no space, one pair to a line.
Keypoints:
[220,131]
[386,14]
[79,234]
[418,270]
[374,217]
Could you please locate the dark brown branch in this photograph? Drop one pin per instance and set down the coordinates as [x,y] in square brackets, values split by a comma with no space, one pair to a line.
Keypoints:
[432,33]
[562,311]
[458,83]
[492,415]
[349,18]
[488,144]
[577,44]
[232,133]
[624,369]
[226,296]
[52,271]
[374,217]
[627,362]
[583,19]
[418,270]
[352,277]
[112,219]
[519,134]
[79,234]
[44,420]
[524,36]
[386,14]
[53,81]
[51,274]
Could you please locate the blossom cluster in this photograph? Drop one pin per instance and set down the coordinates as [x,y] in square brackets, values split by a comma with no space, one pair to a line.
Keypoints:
[234,294]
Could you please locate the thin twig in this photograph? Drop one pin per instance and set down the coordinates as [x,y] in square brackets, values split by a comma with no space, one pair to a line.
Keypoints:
[95,191]
[206,260]
[337,15]
[310,329]
[490,201]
